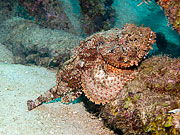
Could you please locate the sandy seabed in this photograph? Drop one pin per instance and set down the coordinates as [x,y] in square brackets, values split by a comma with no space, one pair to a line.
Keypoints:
[19,83]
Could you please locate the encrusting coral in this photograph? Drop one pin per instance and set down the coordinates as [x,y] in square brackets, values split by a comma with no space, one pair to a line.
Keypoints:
[101,66]
[172,11]
[48,13]
[149,103]
[96,15]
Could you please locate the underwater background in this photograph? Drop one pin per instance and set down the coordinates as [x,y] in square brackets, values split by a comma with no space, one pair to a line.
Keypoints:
[38,36]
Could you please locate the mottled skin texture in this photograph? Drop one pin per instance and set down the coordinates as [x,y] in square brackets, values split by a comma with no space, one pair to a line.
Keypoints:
[101,66]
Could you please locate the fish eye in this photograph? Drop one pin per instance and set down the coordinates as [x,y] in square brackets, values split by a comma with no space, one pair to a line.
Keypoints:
[111,51]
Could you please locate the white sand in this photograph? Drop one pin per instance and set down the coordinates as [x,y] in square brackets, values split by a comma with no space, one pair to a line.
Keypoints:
[19,83]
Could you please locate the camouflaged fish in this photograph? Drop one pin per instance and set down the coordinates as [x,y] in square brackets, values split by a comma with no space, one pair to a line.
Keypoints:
[101,66]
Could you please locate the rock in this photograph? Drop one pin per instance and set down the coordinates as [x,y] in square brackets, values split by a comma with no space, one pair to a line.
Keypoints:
[34,45]
[142,105]
[48,13]
[6,55]
[172,11]
[7,9]
[97,15]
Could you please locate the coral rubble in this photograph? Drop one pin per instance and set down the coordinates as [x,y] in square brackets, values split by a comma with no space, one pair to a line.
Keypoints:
[146,104]
[48,13]
[101,66]
[172,11]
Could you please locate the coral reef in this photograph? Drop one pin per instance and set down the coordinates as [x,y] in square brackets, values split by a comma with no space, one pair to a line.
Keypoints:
[48,13]
[172,11]
[97,15]
[101,66]
[146,104]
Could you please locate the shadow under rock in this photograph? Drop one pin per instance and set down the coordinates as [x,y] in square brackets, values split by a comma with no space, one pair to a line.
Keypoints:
[167,47]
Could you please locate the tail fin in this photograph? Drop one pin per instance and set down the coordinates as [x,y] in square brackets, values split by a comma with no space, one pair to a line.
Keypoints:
[50,95]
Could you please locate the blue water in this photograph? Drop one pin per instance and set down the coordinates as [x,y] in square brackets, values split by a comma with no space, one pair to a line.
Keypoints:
[127,11]
[149,15]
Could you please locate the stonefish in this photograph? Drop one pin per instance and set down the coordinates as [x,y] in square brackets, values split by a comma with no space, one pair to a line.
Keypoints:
[100,66]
